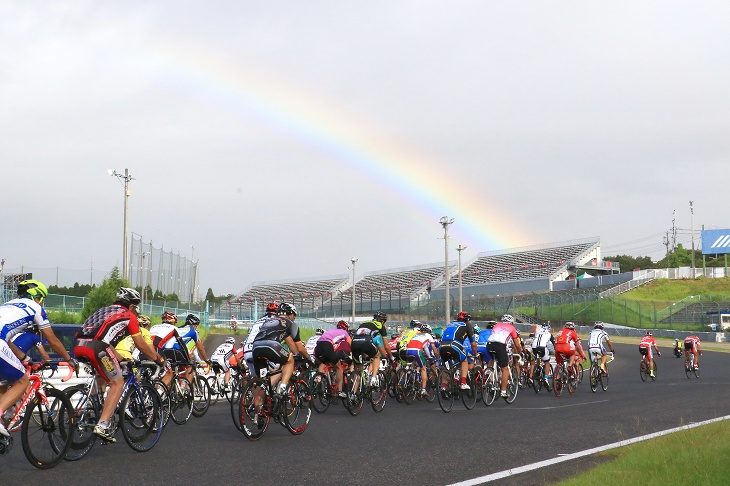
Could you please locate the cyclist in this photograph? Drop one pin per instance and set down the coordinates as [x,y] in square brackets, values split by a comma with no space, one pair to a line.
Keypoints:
[370,340]
[540,348]
[482,338]
[220,360]
[646,346]
[16,315]
[331,350]
[453,341]
[31,338]
[692,345]
[312,342]
[162,335]
[272,308]
[96,340]
[596,347]
[191,341]
[504,336]
[420,348]
[568,344]
[126,348]
[405,338]
[267,345]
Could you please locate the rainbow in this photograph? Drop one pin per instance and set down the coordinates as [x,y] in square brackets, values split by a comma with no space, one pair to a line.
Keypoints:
[334,133]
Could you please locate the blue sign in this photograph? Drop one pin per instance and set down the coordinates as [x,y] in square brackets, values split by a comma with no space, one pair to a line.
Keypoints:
[715,241]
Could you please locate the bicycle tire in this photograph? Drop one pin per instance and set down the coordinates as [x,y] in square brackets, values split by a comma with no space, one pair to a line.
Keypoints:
[431,385]
[410,387]
[392,376]
[181,400]
[164,392]
[47,429]
[236,394]
[594,376]
[491,387]
[255,418]
[537,378]
[469,397]
[86,415]
[653,378]
[215,390]
[379,393]
[296,409]
[320,392]
[572,380]
[446,392]
[604,380]
[201,396]
[559,379]
[642,370]
[141,419]
[355,395]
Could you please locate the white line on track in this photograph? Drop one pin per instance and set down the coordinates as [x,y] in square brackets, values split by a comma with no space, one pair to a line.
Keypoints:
[567,457]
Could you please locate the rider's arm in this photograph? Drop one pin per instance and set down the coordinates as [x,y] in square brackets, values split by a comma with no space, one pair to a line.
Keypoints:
[56,345]
[201,350]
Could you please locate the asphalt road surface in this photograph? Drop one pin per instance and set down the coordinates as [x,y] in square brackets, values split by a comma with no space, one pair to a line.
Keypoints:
[411,444]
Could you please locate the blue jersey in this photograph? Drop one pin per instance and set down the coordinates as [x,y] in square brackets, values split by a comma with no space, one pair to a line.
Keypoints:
[189,336]
[26,340]
[482,340]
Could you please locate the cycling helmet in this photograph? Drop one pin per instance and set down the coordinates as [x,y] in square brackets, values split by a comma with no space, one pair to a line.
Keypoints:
[599,325]
[169,317]
[343,325]
[546,327]
[319,331]
[415,323]
[570,325]
[380,316]
[144,321]
[192,320]
[649,333]
[287,309]
[490,324]
[272,308]
[33,289]
[463,317]
[426,328]
[230,340]
[507,318]
[128,296]
[477,329]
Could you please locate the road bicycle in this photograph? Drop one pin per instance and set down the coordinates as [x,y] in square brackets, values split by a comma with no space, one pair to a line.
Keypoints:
[565,377]
[45,418]
[216,378]
[690,368]
[201,390]
[493,382]
[645,367]
[539,377]
[360,388]
[323,386]
[449,386]
[138,413]
[259,404]
[596,376]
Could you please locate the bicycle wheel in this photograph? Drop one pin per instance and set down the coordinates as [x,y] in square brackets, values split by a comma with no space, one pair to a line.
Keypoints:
[86,414]
[320,393]
[491,387]
[201,396]
[559,379]
[164,394]
[392,376]
[215,390]
[522,381]
[469,397]
[653,377]
[295,407]
[643,372]
[356,394]
[181,400]
[235,395]
[478,380]
[411,387]
[379,393]
[141,420]
[537,378]
[595,376]
[254,412]
[48,427]
[572,383]
[400,384]
[604,380]
[446,393]
[580,370]
[512,386]
[432,385]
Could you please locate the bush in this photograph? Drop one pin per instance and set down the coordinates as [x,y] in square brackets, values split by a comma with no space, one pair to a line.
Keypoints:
[103,295]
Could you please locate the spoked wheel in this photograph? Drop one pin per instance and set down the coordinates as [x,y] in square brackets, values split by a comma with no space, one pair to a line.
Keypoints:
[491,387]
[446,390]
[320,393]
[379,393]
[86,416]
[235,396]
[410,387]
[355,395]
[254,410]
[653,377]
[201,396]
[295,407]
[392,382]
[215,390]
[469,397]
[512,387]
[48,429]
[400,386]
[572,383]
[595,377]
[141,420]
[643,371]
[431,386]
[537,378]
[164,394]
[603,377]
[559,379]
[181,400]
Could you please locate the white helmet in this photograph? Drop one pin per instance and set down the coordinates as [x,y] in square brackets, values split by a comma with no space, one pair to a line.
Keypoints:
[507,318]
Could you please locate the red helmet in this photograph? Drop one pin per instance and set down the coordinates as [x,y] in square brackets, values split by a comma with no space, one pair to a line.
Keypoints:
[463,317]
[272,308]
[343,325]
[169,317]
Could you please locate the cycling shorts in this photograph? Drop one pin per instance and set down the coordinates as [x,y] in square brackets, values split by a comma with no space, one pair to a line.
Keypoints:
[563,350]
[11,369]
[542,353]
[690,347]
[600,350]
[174,356]
[646,351]
[363,345]
[100,356]
[266,351]
[325,352]
[222,365]
[500,351]
[452,351]
[417,356]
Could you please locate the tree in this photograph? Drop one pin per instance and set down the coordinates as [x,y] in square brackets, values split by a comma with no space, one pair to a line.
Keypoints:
[209,295]
[103,295]
[628,262]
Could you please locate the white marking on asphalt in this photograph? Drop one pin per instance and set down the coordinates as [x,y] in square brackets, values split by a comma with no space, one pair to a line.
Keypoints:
[567,457]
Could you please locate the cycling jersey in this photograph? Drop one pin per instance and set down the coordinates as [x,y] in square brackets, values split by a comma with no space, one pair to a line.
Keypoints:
[596,341]
[504,333]
[18,314]
[420,348]
[566,344]
[189,336]
[482,339]
[310,344]
[128,350]
[26,340]
[223,354]
[458,331]
[692,344]
[110,325]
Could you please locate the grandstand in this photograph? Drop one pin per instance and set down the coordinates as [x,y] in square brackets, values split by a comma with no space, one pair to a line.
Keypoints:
[512,271]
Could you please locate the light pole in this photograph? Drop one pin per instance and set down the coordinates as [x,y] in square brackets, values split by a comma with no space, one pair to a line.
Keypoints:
[125,178]
[459,249]
[692,231]
[352,320]
[445,222]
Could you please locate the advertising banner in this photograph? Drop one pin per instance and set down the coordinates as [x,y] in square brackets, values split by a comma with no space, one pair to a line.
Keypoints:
[715,241]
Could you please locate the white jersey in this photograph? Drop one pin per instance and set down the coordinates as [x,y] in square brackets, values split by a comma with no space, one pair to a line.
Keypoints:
[17,314]
[310,345]
[596,338]
[223,353]
[542,338]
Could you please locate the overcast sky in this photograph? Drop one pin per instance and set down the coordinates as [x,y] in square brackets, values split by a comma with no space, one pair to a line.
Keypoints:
[279,139]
